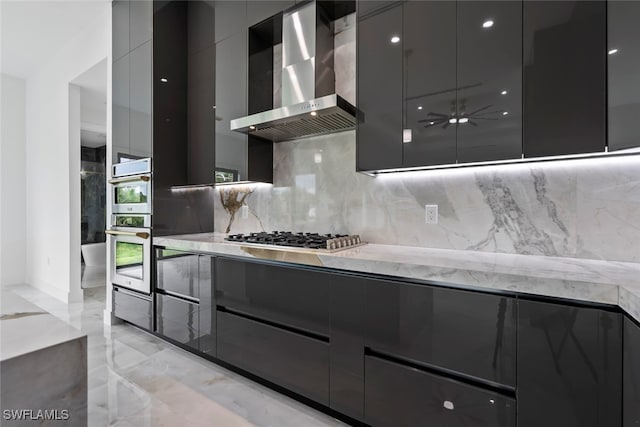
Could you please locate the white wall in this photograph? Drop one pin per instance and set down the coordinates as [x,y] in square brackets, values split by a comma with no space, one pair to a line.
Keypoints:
[53,235]
[12,181]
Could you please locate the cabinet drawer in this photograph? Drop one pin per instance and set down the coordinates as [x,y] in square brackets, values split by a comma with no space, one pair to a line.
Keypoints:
[177,319]
[294,361]
[396,395]
[289,296]
[135,309]
[177,272]
[467,332]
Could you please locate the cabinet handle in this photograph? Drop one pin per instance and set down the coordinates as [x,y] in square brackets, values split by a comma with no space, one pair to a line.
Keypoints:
[140,234]
[143,178]
[448,405]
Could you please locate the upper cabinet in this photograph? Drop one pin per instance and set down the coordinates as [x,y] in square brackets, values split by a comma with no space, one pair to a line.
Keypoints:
[489,80]
[564,77]
[623,48]
[442,83]
[132,79]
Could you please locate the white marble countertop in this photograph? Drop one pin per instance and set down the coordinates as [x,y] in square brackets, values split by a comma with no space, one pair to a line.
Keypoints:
[607,282]
[25,328]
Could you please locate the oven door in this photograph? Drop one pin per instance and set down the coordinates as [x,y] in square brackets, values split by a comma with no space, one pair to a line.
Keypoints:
[131,258]
[131,194]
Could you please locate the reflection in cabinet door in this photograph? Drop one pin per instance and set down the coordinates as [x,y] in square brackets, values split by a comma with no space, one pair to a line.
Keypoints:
[397,395]
[140,99]
[430,82]
[120,29]
[177,319]
[489,81]
[120,118]
[564,94]
[379,136]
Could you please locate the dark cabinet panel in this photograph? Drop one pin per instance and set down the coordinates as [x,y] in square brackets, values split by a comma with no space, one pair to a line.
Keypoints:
[141,22]
[397,395]
[231,148]
[299,363]
[379,91]
[443,327]
[623,46]
[569,366]
[365,7]
[177,272]
[631,374]
[207,326]
[429,48]
[140,101]
[288,296]
[564,77]
[178,320]
[120,29]
[120,113]
[134,308]
[489,80]
[346,350]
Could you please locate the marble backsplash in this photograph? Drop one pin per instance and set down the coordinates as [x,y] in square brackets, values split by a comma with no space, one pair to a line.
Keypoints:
[579,208]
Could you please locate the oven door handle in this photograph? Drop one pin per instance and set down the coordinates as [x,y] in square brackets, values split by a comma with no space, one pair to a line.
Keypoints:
[144,178]
[140,234]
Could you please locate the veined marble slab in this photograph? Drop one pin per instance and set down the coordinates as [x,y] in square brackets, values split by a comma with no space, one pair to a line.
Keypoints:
[607,282]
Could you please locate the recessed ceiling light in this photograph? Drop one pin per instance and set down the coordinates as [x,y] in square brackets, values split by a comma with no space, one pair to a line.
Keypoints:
[163,80]
[395,39]
[463,120]
[613,51]
[420,107]
[252,127]
[453,120]
[487,24]
[504,113]
[504,92]
[313,113]
[432,123]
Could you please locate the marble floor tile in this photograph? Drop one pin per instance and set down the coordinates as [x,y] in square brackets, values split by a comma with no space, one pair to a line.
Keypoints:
[136,379]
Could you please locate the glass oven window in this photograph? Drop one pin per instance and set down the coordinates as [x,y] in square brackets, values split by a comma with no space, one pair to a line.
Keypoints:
[129,259]
[131,193]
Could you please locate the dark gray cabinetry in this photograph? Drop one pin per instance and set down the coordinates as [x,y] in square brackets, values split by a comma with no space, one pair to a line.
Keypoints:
[292,360]
[564,94]
[185,310]
[133,307]
[569,366]
[623,47]
[489,81]
[288,296]
[258,11]
[631,374]
[441,328]
[379,90]
[132,79]
[398,395]
[430,82]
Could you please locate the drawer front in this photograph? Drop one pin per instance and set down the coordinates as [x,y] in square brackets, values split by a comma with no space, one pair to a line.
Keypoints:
[177,272]
[289,296]
[178,320]
[631,374]
[132,308]
[207,328]
[296,362]
[396,395]
[467,332]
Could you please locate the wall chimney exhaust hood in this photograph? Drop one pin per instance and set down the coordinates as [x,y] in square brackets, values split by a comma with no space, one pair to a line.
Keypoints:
[310,105]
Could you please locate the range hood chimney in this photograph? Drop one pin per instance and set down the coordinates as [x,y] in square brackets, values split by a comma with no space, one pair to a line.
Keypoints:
[310,105]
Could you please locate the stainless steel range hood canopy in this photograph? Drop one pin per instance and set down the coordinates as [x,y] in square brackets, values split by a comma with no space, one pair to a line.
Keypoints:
[310,104]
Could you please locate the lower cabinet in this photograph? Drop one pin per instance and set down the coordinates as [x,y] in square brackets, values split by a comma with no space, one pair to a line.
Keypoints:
[398,395]
[631,374]
[569,366]
[294,361]
[178,320]
[133,307]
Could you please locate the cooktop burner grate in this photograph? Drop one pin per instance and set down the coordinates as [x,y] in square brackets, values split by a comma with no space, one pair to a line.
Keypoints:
[330,242]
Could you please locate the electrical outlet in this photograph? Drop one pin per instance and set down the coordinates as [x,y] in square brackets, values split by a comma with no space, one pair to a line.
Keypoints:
[431,214]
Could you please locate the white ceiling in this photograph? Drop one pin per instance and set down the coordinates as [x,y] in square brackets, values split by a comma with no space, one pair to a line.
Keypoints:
[31,32]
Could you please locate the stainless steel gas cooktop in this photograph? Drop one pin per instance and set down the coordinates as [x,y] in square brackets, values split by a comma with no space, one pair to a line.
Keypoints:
[320,242]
